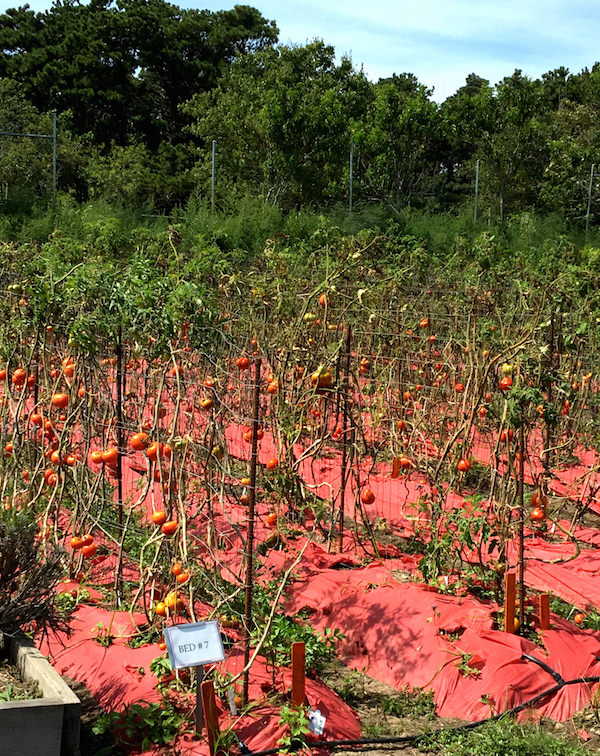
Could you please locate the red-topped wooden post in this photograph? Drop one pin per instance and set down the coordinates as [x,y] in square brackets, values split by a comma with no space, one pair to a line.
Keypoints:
[209,706]
[298,674]
[545,611]
[510,592]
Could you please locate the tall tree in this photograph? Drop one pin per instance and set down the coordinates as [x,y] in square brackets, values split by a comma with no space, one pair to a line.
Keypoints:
[282,119]
[123,69]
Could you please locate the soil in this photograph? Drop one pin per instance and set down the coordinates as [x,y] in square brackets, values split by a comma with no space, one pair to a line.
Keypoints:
[13,687]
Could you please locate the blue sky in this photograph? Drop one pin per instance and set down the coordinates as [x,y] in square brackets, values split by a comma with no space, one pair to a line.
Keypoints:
[440,41]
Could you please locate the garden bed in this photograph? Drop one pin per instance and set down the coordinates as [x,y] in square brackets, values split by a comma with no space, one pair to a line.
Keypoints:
[47,723]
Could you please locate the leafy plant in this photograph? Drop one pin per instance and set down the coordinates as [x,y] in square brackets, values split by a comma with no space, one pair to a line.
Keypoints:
[296,719]
[142,726]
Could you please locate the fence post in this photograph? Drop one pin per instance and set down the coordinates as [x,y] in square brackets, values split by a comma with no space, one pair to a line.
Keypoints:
[589,202]
[250,531]
[212,175]
[351,175]
[298,674]
[54,159]
[476,189]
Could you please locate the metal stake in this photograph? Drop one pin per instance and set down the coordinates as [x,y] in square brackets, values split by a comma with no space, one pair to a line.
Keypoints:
[212,178]
[351,175]
[589,202]
[250,532]
[476,189]
[54,159]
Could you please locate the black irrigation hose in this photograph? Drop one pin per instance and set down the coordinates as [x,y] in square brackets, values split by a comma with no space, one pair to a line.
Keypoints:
[406,739]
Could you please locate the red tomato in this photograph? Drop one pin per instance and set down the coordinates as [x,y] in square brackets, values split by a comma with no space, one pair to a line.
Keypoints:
[169,527]
[159,517]
[367,496]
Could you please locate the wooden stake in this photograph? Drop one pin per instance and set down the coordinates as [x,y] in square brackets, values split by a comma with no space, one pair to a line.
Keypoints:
[545,611]
[298,674]
[346,390]
[510,593]
[249,557]
[120,449]
[199,705]
[521,489]
[210,715]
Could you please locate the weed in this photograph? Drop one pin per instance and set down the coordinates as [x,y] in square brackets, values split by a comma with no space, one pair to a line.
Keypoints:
[296,718]
[504,737]
[142,726]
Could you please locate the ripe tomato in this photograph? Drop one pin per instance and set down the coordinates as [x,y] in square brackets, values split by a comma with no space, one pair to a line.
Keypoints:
[177,569]
[424,323]
[367,496]
[273,463]
[242,363]
[405,463]
[459,387]
[154,451]
[504,384]
[76,543]
[183,577]
[464,465]
[579,618]
[159,517]
[19,377]
[273,386]
[160,608]
[169,527]
[537,514]
[271,520]
[60,400]
[89,550]
[139,441]
[506,435]
[174,601]
[110,456]
[37,419]
[96,457]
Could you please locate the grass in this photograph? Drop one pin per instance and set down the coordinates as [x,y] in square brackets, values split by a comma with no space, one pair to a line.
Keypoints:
[503,737]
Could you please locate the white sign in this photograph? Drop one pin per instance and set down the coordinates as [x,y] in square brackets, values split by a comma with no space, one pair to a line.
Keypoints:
[316,722]
[194,644]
